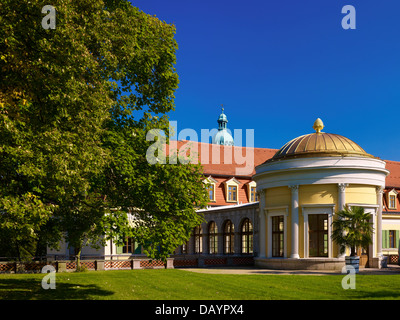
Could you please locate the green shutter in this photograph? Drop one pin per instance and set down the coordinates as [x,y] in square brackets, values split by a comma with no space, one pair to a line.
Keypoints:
[119,249]
[138,248]
[385,239]
[396,237]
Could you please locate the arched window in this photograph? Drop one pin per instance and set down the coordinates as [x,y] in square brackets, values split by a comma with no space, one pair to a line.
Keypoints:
[213,238]
[198,240]
[247,236]
[229,236]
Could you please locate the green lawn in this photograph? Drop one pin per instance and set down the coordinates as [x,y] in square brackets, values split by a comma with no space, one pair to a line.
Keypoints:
[184,285]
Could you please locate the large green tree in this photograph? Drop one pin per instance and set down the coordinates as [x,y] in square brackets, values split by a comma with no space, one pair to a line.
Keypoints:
[75,103]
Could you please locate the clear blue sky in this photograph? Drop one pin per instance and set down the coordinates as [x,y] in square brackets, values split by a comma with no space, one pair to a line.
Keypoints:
[278,65]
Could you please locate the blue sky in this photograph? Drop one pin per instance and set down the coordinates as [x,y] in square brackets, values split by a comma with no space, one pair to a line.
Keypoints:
[276,66]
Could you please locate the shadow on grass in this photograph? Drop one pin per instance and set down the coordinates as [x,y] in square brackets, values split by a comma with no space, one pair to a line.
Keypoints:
[31,289]
[382,294]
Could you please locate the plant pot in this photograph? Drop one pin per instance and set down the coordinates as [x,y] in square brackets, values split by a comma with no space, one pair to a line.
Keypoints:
[352,263]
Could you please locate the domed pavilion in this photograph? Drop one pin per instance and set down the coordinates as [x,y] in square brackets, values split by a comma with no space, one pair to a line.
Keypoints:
[301,188]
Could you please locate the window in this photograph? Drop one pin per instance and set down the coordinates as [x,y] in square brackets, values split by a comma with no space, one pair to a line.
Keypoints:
[392,201]
[390,239]
[198,240]
[210,192]
[231,190]
[252,191]
[229,237]
[247,237]
[253,194]
[210,183]
[130,246]
[184,248]
[318,235]
[232,193]
[213,238]
[277,236]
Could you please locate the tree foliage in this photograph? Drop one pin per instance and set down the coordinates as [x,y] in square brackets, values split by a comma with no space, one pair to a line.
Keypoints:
[75,103]
[352,229]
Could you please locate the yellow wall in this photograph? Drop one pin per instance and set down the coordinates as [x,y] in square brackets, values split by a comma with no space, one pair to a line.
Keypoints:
[277,197]
[356,193]
[315,194]
[318,194]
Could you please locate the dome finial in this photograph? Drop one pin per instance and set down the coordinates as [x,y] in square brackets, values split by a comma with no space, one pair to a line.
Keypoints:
[318,125]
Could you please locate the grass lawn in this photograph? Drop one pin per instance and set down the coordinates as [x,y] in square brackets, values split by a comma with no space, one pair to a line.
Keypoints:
[175,284]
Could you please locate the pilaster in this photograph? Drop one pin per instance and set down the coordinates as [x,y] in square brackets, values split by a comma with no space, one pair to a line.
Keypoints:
[295,221]
[262,230]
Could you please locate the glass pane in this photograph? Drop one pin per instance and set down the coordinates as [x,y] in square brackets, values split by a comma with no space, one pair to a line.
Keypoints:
[318,235]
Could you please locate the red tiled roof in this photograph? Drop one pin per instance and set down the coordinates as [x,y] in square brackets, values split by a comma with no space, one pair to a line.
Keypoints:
[228,159]
[393,179]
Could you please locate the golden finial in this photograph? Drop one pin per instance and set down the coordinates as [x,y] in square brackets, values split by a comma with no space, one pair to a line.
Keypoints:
[318,125]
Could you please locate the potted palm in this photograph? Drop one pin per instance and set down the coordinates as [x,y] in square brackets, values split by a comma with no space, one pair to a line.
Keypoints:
[352,229]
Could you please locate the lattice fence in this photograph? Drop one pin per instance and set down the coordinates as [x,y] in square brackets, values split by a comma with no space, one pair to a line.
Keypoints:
[215,261]
[7,266]
[243,261]
[90,265]
[123,264]
[393,259]
[151,264]
[71,265]
[185,263]
[28,267]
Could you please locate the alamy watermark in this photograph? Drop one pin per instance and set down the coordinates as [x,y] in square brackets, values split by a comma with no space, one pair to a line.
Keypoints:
[49,280]
[49,21]
[349,281]
[189,152]
[348,21]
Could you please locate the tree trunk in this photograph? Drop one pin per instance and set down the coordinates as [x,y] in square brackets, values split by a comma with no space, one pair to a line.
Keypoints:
[353,252]
[18,251]
[78,258]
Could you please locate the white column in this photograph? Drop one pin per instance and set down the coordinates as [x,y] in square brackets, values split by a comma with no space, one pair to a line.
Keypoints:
[295,221]
[342,195]
[379,195]
[341,204]
[261,231]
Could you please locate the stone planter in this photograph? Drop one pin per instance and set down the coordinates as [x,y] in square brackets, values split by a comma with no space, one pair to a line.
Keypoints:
[352,263]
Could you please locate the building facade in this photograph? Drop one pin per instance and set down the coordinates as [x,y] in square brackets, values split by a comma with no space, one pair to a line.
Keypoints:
[279,213]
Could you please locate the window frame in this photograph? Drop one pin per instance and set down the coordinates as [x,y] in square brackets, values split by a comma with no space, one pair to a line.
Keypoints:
[392,193]
[229,237]
[212,238]
[213,183]
[310,209]
[233,182]
[198,240]
[280,234]
[324,232]
[252,190]
[390,239]
[247,237]
[129,246]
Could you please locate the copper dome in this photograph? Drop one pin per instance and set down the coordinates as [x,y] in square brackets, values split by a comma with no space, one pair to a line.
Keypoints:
[320,144]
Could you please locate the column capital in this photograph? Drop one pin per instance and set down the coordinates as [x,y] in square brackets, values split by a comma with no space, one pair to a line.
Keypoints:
[379,189]
[294,188]
[261,192]
[342,186]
